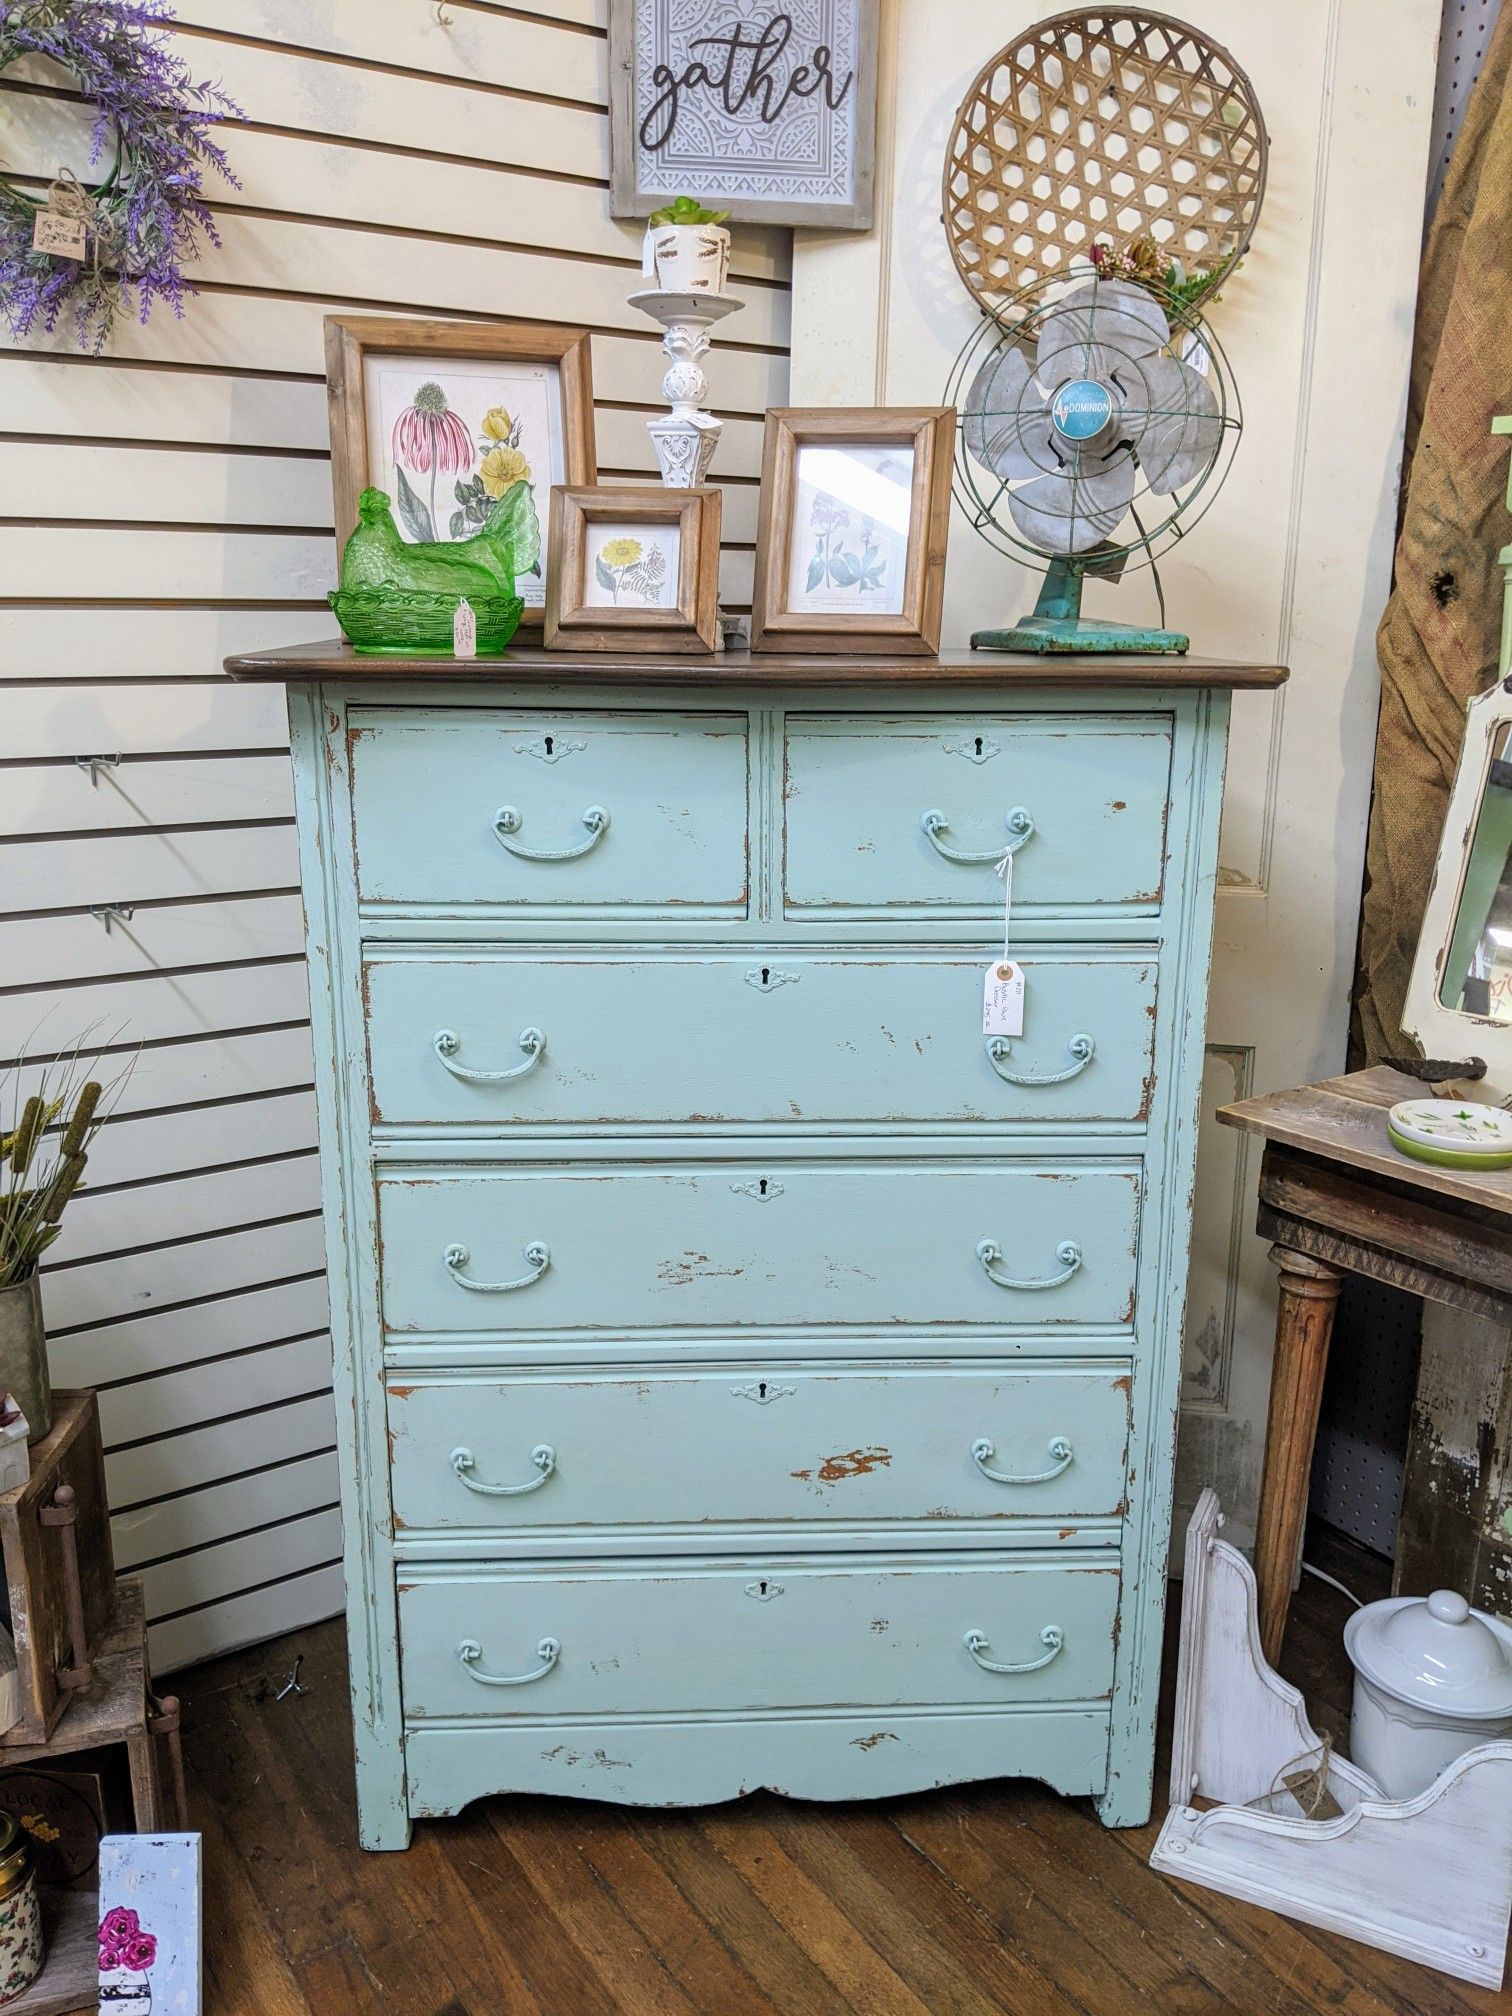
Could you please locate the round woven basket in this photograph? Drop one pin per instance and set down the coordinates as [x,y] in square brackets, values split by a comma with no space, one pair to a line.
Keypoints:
[1101,124]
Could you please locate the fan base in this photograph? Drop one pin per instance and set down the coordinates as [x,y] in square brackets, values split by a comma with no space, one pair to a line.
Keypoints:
[1048,635]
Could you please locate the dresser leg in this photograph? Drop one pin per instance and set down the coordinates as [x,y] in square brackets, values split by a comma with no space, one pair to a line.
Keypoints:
[1304,1326]
[1130,1800]
[388,1830]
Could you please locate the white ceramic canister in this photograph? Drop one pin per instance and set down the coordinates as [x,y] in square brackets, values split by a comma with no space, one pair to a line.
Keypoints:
[1433,1679]
[687,258]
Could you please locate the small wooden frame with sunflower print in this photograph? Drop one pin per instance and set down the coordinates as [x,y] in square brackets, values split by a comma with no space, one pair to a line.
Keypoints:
[445,417]
[634,567]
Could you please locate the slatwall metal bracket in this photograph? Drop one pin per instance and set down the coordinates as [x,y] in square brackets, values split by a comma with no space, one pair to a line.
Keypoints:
[95,764]
[112,913]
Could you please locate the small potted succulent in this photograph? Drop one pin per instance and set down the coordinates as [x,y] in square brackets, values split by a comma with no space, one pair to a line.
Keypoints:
[687,249]
[44,1149]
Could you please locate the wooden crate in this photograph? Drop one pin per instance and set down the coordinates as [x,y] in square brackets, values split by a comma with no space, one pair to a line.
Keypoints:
[55,1539]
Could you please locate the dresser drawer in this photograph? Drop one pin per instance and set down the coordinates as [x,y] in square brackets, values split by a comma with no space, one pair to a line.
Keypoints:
[879,810]
[606,1248]
[525,811]
[755,1634]
[587,1038]
[760,1444]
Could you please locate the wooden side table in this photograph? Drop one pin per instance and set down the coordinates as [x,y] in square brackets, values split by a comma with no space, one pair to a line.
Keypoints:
[1336,1198]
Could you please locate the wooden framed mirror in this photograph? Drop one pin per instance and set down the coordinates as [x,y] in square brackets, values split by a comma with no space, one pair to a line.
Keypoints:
[1459,999]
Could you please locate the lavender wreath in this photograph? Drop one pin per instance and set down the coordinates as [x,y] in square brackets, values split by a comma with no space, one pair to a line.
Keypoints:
[147,215]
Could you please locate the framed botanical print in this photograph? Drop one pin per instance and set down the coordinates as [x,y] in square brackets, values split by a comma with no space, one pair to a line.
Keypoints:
[634,567]
[850,543]
[446,417]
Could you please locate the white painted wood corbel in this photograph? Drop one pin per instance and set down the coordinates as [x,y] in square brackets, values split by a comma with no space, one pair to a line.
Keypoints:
[1429,1878]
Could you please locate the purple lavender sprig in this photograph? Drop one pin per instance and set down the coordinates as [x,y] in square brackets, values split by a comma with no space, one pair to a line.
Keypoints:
[150,215]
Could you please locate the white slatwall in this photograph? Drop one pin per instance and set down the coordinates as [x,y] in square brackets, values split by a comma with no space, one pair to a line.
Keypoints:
[170,504]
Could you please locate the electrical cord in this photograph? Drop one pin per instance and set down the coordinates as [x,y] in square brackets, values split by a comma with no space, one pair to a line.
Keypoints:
[1333,1583]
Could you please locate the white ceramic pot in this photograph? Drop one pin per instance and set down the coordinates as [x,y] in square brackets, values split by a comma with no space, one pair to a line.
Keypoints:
[1433,1679]
[688,258]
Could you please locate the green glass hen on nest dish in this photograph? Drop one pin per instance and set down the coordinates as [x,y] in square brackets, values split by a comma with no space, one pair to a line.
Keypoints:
[398,600]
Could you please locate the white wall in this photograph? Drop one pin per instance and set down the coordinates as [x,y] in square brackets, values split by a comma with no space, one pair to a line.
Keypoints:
[167,505]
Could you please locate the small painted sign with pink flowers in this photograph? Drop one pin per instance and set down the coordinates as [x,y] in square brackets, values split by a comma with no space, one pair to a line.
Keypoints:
[448,436]
[150,1925]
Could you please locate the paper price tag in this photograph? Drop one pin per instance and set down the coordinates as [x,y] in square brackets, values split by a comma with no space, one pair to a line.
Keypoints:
[57,233]
[464,631]
[1003,999]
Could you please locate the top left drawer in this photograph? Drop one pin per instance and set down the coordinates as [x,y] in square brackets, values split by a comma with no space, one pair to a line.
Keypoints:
[537,812]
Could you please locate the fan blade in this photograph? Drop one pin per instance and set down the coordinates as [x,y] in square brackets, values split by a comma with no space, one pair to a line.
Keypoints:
[1171,416]
[1103,316]
[1001,427]
[1069,513]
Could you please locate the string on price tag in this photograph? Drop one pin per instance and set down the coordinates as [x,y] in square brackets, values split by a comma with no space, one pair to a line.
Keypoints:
[1003,991]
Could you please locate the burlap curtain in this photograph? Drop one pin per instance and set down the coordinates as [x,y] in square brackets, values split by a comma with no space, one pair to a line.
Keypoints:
[1439,637]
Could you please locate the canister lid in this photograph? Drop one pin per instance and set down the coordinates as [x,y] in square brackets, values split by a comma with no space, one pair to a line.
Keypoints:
[1435,1652]
[15,1855]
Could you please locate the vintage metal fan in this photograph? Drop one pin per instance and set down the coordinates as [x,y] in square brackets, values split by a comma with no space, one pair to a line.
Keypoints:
[1097,410]
[1096,422]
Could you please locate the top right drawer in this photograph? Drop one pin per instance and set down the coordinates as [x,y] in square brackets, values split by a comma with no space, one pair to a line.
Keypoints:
[890,813]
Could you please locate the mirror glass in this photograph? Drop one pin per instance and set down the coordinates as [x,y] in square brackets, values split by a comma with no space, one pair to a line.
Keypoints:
[1478,971]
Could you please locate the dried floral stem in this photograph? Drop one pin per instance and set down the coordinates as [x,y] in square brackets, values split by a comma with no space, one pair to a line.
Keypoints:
[40,1168]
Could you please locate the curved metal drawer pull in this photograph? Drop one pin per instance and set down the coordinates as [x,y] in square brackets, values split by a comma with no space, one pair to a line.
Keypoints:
[1081,1050]
[548,1651]
[982,1453]
[446,1043]
[456,1257]
[508,820]
[1068,1253]
[543,1456]
[1052,1638]
[1020,826]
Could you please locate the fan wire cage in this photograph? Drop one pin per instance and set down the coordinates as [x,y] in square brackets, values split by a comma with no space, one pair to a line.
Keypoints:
[983,496]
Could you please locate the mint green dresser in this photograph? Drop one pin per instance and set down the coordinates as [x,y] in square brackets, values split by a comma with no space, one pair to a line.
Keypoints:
[748,1375]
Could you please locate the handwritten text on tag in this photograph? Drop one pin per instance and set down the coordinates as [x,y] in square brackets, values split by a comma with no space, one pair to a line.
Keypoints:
[464,631]
[57,233]
[1003,999]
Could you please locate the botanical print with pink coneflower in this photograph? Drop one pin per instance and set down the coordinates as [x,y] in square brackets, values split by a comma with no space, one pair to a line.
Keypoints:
[448,437]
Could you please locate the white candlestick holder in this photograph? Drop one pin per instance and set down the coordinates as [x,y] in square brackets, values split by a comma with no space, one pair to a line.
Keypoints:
[685,438]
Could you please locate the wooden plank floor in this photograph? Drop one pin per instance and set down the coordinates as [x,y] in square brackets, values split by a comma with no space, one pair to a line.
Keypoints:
[993,1897]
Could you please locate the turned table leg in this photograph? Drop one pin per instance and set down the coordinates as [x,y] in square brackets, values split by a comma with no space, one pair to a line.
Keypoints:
[1304,1325]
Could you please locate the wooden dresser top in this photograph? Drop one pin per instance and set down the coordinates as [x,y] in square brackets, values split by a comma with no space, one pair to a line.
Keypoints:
[330,658]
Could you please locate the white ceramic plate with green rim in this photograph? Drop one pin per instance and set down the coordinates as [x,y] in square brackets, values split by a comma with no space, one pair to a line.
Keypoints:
[1456,1133]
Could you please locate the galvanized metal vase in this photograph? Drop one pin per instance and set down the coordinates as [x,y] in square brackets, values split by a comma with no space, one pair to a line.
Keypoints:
[23,1354]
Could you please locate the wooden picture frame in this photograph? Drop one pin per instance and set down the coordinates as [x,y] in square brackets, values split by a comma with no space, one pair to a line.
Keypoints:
[673,607]
[868,583]
[773,119]
[551,369]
